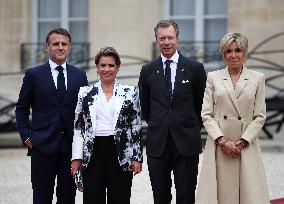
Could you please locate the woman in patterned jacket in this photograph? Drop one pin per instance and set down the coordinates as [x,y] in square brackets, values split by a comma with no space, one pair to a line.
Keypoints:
[107,134]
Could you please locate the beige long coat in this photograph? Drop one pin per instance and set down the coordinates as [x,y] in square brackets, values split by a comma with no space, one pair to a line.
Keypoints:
[233,113]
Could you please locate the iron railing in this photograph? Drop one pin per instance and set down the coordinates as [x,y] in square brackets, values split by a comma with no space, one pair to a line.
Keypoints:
[34,54]
[206,52]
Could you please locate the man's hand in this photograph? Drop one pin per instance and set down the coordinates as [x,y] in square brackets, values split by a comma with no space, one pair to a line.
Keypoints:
[28,143]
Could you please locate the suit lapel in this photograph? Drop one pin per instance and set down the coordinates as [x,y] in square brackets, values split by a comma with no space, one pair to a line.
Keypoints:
[49,79]
[230,89]
[69,81]
[242,82]
[119,97]
[93,105]
[181,66]
[160,76]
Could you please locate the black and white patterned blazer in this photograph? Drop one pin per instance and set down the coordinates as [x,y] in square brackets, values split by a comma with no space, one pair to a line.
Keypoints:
[126,121]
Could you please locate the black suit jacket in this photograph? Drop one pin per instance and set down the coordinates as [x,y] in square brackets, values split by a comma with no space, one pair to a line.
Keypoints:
[50,116]
[181,114]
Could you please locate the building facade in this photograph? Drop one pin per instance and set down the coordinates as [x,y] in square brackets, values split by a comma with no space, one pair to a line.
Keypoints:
[128,25]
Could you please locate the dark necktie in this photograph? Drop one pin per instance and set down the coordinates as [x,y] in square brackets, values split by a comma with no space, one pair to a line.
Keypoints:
[61,89]
[168,76]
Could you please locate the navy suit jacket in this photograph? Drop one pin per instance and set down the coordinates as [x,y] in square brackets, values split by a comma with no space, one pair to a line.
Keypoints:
[50,116]
[181,114]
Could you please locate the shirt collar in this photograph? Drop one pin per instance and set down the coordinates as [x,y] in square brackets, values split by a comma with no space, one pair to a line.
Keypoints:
[53,65]
[174,58]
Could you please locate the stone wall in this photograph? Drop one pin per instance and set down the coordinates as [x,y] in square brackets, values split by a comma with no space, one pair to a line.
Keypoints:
[126,25]
[15,28]
[259,20]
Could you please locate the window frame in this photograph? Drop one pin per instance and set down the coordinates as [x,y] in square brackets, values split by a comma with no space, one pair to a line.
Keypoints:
[64,19]
[199,18]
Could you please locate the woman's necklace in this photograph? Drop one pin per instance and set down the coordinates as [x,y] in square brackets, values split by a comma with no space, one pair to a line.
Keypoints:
[235,77]
[235,73]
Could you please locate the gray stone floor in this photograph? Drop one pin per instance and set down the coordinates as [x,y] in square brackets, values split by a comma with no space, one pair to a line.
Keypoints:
[15,185]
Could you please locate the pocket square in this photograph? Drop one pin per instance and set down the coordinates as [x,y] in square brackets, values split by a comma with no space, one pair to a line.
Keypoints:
[184,81]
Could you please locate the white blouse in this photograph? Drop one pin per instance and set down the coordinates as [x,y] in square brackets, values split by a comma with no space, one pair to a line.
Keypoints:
[104,115]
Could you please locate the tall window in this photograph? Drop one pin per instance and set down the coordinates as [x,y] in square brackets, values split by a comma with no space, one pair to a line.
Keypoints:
[200,21]
[70,14]
[49,14]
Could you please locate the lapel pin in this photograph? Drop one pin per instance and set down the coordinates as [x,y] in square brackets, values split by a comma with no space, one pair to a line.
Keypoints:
[158,71]
[182,70]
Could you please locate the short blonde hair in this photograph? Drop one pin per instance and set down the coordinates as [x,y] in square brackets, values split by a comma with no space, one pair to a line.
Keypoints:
[228,38]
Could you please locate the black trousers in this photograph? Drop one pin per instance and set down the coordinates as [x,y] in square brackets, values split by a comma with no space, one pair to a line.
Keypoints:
[44,170]
[104,172]
[185,170]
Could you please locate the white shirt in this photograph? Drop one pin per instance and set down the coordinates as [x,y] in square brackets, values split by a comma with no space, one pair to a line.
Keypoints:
[173,66]
[104,115]
[55,73]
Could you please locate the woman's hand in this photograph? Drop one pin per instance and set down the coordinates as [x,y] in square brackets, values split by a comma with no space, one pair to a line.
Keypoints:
[75,166]
[229,148]
[136,167]
[241,144]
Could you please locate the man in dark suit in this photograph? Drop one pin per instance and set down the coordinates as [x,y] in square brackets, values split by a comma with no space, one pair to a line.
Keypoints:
[171,94]
[50,90]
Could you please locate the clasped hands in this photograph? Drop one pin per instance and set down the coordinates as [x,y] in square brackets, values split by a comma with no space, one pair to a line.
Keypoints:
[231,149]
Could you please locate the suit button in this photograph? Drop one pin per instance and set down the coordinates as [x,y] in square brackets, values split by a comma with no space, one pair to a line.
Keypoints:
[239,118]
[225,117]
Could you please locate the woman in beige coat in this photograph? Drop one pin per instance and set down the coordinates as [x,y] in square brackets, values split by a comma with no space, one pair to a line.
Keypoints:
[233,113]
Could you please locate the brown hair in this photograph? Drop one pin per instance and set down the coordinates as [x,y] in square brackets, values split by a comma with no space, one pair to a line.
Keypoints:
[61,31]
[166,24]
[107,51]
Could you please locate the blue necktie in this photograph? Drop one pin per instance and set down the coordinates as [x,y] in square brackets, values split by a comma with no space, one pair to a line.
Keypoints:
[61,89]
[168,76]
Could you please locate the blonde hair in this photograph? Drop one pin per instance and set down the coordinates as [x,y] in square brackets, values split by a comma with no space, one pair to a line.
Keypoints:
[228,38]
